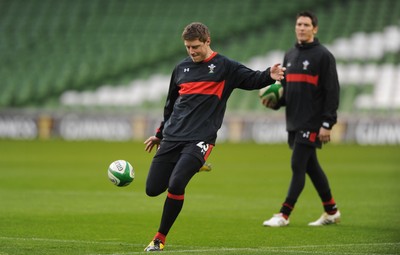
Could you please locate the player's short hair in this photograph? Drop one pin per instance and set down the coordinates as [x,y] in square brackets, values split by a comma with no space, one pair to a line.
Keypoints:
[311,15]
[196,30]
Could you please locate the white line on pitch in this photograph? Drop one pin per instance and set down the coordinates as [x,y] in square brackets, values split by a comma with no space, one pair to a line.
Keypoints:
[273,249]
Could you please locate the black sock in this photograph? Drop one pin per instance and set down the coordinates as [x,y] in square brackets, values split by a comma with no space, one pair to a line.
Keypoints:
[330,206]
[172,207]
[287,207]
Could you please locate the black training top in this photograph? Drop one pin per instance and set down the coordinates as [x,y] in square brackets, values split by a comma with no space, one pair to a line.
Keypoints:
[311,87]
[198,93]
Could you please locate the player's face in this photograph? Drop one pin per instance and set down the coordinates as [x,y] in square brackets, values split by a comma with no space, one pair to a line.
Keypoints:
[197,50]
[305,31]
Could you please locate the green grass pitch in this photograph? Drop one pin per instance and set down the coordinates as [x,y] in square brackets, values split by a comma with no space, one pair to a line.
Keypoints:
[55,198]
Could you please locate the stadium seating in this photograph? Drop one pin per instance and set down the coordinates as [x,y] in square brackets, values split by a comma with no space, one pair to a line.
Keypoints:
[49,47]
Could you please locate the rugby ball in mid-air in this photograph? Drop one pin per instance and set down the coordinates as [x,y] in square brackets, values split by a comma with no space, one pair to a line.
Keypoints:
[121,173]
[271,93]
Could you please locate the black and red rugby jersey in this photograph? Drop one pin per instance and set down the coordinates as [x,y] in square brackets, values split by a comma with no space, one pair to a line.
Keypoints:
[311,87]
[198,93]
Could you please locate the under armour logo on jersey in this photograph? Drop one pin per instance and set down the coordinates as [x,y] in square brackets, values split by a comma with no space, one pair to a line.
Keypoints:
[186,70]
[203,146]
[306,134]
[305,64]
[211,68]
[311,136]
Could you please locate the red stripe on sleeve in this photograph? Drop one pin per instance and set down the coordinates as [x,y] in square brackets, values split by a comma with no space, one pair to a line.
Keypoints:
[311,79]
[203,87]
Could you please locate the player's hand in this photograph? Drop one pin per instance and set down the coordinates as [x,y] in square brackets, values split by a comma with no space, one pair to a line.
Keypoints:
[269,103]
[277,72]
[151,142]
[324,135]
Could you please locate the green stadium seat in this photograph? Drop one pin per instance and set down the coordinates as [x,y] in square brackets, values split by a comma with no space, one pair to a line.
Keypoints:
[55,46]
